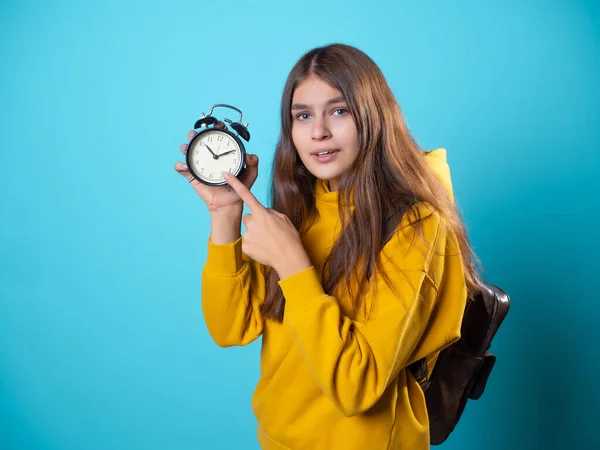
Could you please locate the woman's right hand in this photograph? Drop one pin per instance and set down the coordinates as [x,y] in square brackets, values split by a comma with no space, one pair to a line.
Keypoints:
[219,199]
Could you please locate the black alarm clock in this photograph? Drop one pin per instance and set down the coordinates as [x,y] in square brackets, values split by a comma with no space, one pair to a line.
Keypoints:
[214,150]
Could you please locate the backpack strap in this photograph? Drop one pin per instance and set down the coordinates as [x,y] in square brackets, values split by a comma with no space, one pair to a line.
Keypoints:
[419,368]
[419,371]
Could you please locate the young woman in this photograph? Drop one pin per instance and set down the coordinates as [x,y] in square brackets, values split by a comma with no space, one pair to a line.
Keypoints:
[342,307]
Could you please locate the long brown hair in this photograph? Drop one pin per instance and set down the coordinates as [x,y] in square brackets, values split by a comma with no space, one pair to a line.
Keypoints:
[389,175]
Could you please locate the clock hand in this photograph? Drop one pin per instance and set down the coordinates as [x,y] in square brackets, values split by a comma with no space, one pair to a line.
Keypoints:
[230,151]
[211,152]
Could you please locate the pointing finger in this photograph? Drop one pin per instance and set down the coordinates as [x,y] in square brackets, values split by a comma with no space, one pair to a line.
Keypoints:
[247,197]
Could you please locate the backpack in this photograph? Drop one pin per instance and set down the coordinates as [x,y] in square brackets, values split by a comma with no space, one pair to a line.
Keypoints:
[462,369]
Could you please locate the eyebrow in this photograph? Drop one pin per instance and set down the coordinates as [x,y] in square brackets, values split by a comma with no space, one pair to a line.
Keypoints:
[331,101]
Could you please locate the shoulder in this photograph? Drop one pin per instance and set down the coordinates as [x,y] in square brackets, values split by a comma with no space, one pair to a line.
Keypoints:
[423,213]
[420,238]
[421,227]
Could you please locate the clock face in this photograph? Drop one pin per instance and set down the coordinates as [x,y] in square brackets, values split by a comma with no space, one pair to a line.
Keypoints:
[214,151]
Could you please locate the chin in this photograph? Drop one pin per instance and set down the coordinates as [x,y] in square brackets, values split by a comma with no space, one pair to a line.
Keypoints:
[325,173]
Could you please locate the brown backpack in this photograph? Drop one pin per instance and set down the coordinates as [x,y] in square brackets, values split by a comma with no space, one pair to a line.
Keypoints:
[461,370]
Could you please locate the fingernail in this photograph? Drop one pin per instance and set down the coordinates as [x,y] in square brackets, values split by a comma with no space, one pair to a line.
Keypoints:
[225,174]
[184,167]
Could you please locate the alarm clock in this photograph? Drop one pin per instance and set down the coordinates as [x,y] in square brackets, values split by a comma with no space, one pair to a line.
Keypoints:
[214,150]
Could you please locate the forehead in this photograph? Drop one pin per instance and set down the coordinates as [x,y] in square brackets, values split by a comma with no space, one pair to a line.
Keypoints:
[314,91]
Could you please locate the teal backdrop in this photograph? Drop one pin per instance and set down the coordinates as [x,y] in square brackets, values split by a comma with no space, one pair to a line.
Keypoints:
[102,339]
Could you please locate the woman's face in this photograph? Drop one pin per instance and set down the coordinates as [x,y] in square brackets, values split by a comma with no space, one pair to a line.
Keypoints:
[321,122]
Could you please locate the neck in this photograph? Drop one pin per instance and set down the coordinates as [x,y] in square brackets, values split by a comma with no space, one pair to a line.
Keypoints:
[333,185]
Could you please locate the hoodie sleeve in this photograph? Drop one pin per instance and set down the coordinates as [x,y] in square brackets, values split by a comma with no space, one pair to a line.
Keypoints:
[233,287]
[352,361]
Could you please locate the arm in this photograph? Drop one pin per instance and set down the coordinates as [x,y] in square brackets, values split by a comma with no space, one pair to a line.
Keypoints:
[233,286]
[353,361]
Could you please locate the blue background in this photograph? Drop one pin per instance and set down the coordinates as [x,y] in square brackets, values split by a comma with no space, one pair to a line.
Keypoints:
[102,243]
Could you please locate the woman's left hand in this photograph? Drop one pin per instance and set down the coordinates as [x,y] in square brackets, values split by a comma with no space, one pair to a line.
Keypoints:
[270,238]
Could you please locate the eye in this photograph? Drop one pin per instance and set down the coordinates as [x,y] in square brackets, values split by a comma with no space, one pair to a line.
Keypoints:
[302,116]
[340,112]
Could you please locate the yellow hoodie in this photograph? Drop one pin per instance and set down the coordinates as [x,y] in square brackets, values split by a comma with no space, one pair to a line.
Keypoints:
[330,379]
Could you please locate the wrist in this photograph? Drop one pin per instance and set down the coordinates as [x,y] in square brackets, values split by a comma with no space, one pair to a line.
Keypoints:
[225,226]
[230,212]
[292,266]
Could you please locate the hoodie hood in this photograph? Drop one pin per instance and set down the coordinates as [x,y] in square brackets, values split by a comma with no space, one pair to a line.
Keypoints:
[439,164]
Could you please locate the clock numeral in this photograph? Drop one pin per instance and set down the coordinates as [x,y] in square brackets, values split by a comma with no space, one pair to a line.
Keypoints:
[220,137]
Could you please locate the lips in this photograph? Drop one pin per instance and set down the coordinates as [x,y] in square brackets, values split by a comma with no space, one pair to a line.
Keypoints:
[323,158]
[330,150]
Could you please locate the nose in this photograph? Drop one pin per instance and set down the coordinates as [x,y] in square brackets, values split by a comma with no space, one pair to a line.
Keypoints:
[320,129]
